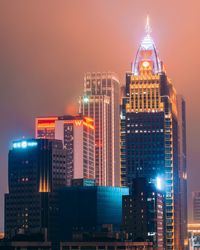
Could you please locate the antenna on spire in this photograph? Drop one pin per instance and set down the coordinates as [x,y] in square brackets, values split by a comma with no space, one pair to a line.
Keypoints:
[148,27]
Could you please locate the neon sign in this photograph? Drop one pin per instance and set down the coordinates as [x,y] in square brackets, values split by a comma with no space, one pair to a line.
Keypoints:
[24,144]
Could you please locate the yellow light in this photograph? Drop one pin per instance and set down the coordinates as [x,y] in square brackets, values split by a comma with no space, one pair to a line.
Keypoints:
[185,242]
[145,64]
[88,125]
[78,122]
[46,125]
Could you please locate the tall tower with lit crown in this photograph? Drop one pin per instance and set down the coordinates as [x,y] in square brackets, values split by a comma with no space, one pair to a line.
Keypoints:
[150,145]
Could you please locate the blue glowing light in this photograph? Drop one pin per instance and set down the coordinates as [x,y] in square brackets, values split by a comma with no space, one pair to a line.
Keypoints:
[159,183]
[24,144]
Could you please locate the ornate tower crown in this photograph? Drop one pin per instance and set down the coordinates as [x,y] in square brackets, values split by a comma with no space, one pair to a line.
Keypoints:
[146,60]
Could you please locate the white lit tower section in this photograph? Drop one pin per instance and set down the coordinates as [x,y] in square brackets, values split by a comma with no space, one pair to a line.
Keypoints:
[98,107]
[77,134]
[101,100]
[149,133]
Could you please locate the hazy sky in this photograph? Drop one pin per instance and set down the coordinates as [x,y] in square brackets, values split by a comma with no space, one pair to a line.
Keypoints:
[46,46]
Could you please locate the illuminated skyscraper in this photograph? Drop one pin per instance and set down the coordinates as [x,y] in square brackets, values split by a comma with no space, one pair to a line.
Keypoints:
[150,145]
[101,102]
[77,134]
[37,169]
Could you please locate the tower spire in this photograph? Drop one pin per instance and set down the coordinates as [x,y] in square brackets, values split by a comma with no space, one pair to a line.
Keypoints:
[148,27]
[147,44]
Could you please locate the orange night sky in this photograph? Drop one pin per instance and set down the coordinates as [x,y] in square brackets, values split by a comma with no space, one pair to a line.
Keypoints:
[46,46]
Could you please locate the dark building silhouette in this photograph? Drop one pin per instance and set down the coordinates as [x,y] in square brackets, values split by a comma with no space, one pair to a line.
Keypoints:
[37,169]
[143,214]
[182,146]
[86,209]
[76,245]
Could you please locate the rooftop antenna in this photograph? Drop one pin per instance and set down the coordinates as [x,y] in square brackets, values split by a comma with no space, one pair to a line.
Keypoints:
[148,27]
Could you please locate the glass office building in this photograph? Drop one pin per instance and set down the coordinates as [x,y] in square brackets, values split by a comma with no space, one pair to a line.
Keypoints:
[143,213]
[86,209]
[36,170]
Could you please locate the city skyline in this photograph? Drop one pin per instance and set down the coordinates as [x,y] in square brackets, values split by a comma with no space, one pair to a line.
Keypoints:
[27,126]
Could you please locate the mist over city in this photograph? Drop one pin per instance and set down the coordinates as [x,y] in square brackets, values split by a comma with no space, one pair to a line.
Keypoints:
[99,125]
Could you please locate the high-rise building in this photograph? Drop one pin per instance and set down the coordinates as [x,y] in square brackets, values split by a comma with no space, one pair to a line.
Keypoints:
[100,105]
[37,169]
[150,135]
[86,209]
[101,102]
[77,134]
[194,236]
[182,167]
[45,127]
[143,213]
[196,206]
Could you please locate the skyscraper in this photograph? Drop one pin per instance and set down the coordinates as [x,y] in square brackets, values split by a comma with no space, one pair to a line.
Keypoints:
[101,102]
[37,169]
[150,134]
[143,213]
[77,134]
[182,165]
[196,206]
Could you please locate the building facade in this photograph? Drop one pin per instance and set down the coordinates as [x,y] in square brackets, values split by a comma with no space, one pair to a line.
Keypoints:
[87,209]
[45,127]
[78,136]
[106,245]
[194,236]
[77,133]
[37,169]
[150,135]
[101,102]
[27,245]
[182,167]
[143,218]
[196,206]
